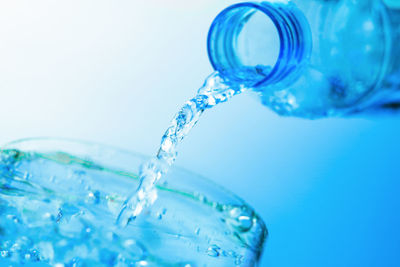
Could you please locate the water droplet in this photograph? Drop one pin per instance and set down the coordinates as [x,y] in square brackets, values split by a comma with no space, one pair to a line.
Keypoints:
[213,251]
[202,198]
[197,231]
[241,218]
[245,222]
[238,260]
[161,213]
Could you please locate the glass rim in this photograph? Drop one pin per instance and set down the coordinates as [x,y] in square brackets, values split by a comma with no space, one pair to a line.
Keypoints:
[72,146]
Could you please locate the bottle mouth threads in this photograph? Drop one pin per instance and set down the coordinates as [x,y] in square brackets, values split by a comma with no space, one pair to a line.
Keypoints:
[258,44]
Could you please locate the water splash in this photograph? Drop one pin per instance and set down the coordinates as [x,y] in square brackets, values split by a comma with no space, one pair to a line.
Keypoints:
[215,90]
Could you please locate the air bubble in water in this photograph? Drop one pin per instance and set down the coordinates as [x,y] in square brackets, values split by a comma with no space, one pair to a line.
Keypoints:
[134,250]
[107,257]
[4,253]
[26,176]
[93,197]
[46,250]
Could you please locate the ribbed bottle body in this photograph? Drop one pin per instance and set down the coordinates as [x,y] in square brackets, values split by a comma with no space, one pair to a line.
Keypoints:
[354,64]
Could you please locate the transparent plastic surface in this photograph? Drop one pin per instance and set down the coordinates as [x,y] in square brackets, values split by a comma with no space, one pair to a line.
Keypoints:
[59,201]
[336,57]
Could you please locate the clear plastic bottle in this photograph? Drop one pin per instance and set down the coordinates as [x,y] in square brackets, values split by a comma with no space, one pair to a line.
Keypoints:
[312,58]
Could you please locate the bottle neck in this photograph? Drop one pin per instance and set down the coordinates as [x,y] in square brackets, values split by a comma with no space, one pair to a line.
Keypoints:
[245,59]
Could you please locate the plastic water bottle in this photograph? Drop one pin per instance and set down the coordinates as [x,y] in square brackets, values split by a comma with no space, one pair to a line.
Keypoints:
[312,58]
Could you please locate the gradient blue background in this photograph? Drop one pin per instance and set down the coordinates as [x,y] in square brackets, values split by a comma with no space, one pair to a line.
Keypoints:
[115,72]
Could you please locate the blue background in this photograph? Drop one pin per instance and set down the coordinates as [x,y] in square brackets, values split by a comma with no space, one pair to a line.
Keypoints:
[116,73]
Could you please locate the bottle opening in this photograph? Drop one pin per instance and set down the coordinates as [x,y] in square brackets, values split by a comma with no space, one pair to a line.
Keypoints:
[258,43]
